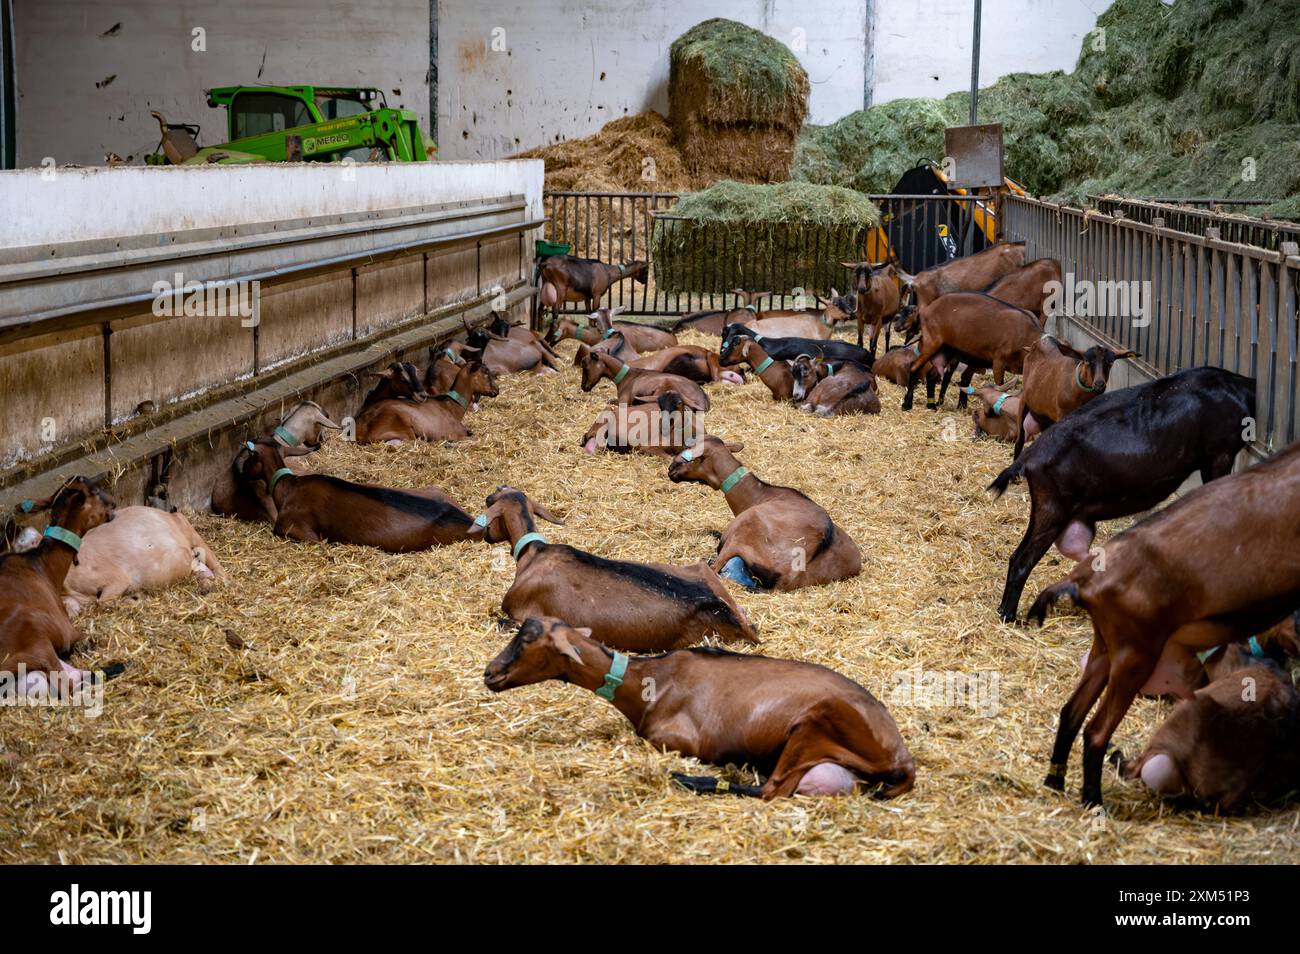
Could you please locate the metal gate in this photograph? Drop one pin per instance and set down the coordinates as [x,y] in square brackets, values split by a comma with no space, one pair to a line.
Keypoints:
[917,231]
[1210,301]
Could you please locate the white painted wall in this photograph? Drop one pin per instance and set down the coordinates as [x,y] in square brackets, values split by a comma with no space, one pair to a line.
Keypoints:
[80,204]
[69,110]
[923,47]
[570,66]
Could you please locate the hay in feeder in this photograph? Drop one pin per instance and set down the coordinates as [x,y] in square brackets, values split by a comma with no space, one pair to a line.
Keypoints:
[353,724]
[761,237]
[737,99]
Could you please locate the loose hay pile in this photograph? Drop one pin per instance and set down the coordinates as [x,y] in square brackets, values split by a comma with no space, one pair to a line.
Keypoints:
[737,99]
[353,724]
[1166,100]
[761,237]
[630,154]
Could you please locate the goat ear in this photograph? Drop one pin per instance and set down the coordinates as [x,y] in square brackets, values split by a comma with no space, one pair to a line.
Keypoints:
[320,418]
[736,448]
[617,310]
[561,642]
[479,527]
[298,451]
[541,511]
[1121,355]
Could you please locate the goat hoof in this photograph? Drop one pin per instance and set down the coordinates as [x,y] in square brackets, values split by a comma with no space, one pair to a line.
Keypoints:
[1093,800]
[906,405]
[1055,782]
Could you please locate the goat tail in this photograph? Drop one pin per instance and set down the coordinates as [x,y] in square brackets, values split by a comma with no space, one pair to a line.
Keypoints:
[708,785]
[1003,480]
[1050,597]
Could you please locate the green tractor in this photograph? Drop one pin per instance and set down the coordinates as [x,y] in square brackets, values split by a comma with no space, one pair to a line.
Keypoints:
[298,124]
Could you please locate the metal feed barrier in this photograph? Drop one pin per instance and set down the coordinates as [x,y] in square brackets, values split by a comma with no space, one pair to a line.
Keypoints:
[620,226]
[1211,301]
[1264,233]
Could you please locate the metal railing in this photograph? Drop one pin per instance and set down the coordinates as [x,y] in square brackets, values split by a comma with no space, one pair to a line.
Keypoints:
[1209,301]
[916,231]
[1233,227]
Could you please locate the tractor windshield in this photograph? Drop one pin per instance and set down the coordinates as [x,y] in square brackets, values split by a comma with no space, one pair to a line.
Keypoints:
[253,114]
[340,107]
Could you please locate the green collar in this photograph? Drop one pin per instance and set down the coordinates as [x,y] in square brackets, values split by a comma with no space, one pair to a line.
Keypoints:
[452,356]
[916,350]
[736,477]
[1079,381]
[622,373]
[830,369]
[622,270]
[609,334]
[763,365]
[613,678]
[285,436]
[457,398]
[996,409]
[275,478]
[526,539]
[64,536]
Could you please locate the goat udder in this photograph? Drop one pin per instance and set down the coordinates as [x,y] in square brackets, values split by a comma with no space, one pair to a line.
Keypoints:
[590,446]
[731,377]
[827,778]
[550,295]
[1031,426]
[1160,774]
[1075,540]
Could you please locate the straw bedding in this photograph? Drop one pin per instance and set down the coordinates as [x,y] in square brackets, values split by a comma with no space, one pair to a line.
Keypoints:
[328,706]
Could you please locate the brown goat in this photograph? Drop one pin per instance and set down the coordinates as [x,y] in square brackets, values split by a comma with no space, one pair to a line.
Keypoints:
[438,419]
[1026,287]
[781,538]
[320,507]
[876,286]
[665,426]
[998,414]
[640,607]
[34,626]
[974,329]
[300,432]
[810,730]
[970,273]
[599,326]
[1214,567]
[1059,379]
[741,349]
[566,278]
[831,388]
[1230,745]
[637,384]
[690,361]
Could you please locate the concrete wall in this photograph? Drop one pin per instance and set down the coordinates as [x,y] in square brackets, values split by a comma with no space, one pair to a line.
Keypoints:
[923,47]
[89,71]
[564,68]
[52,387]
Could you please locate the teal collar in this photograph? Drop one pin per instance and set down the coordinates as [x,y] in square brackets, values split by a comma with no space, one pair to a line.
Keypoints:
[27,505]
[830,369]
[64,536]
[526,539]
[763,365]
[622,270]
[736,477]
[457,398]
[1079,381]
[1253,643]
[275,478]
[452,356]
[916,350]
[285,436]
[481,521]
[622,373]
[613,678]
[609,334]
[996,409]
